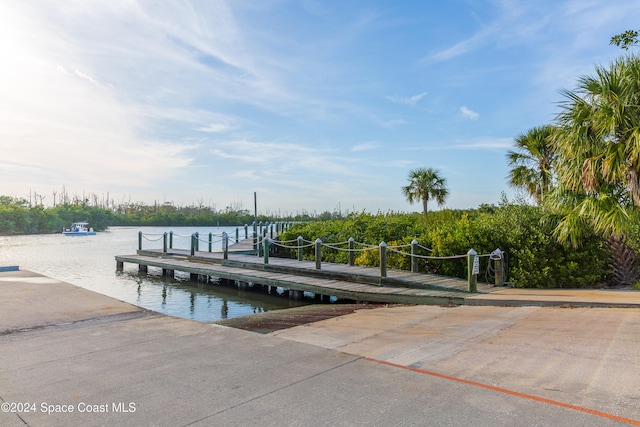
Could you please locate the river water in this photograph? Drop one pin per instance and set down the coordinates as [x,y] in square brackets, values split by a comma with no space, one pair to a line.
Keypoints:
[89,262]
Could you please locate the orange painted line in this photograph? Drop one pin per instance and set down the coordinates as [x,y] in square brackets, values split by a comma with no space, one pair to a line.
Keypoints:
[511,392]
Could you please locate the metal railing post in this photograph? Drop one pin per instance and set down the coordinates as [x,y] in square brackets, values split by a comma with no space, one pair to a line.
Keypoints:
[383,259]
[164,242]
[193,244]
[171,240]
[139,240]
[210,241]
[197,241]
[237,235]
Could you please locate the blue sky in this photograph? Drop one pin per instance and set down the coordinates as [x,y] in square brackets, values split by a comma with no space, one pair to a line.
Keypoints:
[314,105]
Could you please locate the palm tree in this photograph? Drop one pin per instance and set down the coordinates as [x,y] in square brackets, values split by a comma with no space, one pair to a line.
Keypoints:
[598,168]
[426,184]
[599,139]
[532,162]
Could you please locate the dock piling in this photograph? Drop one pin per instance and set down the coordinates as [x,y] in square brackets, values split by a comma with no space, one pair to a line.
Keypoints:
[383,259]
[473,268]
[318,253]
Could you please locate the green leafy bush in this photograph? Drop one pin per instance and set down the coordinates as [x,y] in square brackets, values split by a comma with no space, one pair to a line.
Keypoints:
[535,259]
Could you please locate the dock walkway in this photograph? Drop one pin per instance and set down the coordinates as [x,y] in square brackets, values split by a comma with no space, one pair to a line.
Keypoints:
[341,280]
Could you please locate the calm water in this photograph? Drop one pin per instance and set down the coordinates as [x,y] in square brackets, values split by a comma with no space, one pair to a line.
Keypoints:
[88,261]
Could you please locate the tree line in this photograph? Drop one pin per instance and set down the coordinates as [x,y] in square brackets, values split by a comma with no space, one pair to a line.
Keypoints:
[19,216]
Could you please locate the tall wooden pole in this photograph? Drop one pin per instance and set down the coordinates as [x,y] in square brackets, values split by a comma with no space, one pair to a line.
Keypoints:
[255,216]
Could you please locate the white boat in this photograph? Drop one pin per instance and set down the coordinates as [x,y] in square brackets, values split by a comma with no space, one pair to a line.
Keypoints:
[79,229]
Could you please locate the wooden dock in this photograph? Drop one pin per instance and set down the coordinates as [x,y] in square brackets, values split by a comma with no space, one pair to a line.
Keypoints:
[357,283]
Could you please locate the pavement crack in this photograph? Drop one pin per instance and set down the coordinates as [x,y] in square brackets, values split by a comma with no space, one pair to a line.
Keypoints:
[284,387]
[17,414]
[119,317]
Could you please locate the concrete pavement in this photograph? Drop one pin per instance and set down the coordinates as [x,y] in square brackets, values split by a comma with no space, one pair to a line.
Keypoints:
[69,356]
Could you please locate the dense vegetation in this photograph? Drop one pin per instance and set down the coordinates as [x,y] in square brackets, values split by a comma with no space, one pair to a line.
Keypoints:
[535,258]
[18,216]
[584,168]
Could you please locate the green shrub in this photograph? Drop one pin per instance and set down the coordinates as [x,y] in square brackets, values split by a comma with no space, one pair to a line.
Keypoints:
[535,259]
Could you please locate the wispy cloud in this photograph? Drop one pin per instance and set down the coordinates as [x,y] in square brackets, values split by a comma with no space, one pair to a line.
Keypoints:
[468,113]
[67,124]
[215,128]
[410,101]
[485,144]
[458,49]
[365,146]
[392,123]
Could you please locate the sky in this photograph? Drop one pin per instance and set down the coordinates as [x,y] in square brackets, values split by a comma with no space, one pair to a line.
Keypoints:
[313,105]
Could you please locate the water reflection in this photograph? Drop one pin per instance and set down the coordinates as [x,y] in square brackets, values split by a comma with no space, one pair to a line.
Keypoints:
[224,310]
[89,262]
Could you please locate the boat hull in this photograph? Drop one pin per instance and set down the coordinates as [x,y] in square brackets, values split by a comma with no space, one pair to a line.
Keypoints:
[79,233]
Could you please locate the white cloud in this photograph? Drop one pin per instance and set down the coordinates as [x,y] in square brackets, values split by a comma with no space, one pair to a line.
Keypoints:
[65,126]
[410,101]
[468,113]
[215,128]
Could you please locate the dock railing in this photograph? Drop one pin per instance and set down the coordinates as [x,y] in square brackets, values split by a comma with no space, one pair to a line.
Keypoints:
[353,247]
[265,240]
[272,229]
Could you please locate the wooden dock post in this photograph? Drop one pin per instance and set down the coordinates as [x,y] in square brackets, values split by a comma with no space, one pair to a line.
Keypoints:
[197,247]
[415,265]
[210,240]
[119,265]
[237,235]
[266,250]
[318,253]
[193,244]
[246,231]
[300,249]
[139,240]
[383,259]
[164,242]
[473,268]
[171,240]
[225,244]
[496,256]
[352,252]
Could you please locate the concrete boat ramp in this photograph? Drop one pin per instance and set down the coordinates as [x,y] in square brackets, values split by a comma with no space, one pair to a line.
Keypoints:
[71,357]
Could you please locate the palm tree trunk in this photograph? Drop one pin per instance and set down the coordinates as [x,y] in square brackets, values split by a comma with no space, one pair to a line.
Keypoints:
[425,200]
[624,262]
